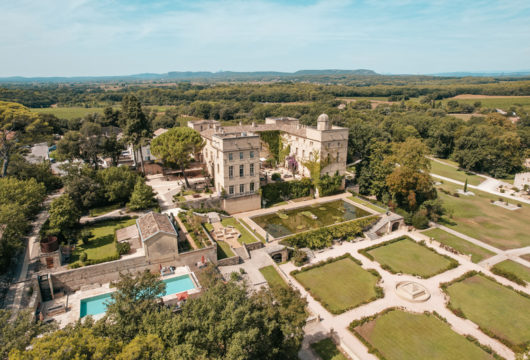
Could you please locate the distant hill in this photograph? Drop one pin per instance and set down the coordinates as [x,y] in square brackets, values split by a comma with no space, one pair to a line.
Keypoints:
[196,75]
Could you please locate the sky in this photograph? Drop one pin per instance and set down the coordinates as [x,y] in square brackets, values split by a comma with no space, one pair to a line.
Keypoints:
[122,37]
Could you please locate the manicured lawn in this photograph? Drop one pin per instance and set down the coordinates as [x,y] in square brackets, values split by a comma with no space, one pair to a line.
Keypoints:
[101,244]
[327,350]
[254,232]
[465,247]
[340,285]
[452,172]
[409,257]
[246,237]
[494,307]
[513,267]
[475,216]
[367,204]
[400,335]
[224,250]
[104,209]
[271,275]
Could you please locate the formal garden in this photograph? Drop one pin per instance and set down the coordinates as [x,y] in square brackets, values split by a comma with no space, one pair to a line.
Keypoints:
[98,244]
[404,255]
[465,247]
[288,222]
[478,217]
[340,284]
[396,335]
[499,311]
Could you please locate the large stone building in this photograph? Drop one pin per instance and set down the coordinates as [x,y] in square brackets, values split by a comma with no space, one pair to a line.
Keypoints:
[232,154]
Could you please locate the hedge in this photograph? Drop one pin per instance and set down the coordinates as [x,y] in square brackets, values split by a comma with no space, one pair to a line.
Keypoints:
[280,191]
[330,185]
[323,237]
[508,275]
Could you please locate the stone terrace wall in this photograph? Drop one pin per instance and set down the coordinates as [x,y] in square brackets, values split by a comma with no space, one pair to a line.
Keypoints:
[74,279]
[234,260]
[254,246]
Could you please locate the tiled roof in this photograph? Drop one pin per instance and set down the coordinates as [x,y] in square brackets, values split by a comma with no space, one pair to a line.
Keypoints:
[152,223]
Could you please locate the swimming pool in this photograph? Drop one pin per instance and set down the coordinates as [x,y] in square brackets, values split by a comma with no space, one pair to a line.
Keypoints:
[98,304]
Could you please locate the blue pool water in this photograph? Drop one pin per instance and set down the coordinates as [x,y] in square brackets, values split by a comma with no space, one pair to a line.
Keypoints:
[98,304]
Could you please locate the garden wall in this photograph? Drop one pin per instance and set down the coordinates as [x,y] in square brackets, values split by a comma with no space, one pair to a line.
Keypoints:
[254,246]
[242,204]
[234,260]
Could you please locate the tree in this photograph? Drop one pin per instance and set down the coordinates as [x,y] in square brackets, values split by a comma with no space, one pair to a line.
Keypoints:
[142,197]
[177,146]
[465,186]
[42,172]
[143,347]
[134,298]
[17,124]
[64,214]
[80,182]
[373,170]
[135,125]
[118,183]
[16,332]
[91,145]
[69,147]
[112,147]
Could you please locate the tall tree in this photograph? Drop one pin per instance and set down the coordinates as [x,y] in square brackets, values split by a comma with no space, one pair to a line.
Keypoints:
[177,147]
[136,127]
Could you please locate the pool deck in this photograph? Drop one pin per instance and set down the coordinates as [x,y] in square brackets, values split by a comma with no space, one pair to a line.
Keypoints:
[247,216]
[73,301]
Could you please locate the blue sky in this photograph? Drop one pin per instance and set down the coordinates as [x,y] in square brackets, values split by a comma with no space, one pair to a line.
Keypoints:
[119,37]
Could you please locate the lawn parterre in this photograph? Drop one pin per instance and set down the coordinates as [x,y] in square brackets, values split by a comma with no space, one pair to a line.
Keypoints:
[273,278]
[462,246]
[246,237]
[513,271]
[404,255]
[477,217]
[499,311]
[101,247]
[340,284]
[398,335]
[327,350]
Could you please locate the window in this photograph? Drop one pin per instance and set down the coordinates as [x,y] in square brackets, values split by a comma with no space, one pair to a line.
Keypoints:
[231,189]
[230,172]
[241,170]
[251,187]
[241,155]
[252,154]
[251,169]
[241,188]
[230,156]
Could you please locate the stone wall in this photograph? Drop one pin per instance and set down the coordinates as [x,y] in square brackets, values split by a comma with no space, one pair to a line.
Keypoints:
[254,246]
[74,279]
[241,204]
[234,260]
[213,202]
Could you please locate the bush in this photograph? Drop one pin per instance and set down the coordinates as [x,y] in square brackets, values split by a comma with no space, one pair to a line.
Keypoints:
[234,276]
[123,247]
[276,192]
[85,236]
[299,257]
[83,257]
[276,177]
[330,185]
[508,275]
[420,221]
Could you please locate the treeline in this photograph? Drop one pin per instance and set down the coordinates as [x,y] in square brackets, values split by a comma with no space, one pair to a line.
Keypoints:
[92,95]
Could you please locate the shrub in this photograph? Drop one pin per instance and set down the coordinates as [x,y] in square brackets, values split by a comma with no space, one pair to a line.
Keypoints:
[123,247]
[234,276]
[83,257]
[85,236]
[508,275]
[299,257]
[276,192]
[420,221]
[330,185]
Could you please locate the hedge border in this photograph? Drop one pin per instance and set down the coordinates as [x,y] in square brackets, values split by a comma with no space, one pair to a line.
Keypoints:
[379,292]
[452,262]
[373,350]
[507,275]
[517,348]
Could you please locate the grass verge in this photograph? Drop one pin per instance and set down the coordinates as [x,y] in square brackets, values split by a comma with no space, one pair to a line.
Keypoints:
[273,278]
[462,246]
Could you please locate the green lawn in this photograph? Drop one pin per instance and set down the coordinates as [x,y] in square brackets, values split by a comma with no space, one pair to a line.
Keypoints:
[104,209]
[273,278]
[340,285]
[101,244]
[367,204]
[327,350]
[69,112]
[261,238]
[408,257]
[494,307]
[400,335]
[454,173]
[515,268]
[246,237]
[475,216]
[465,247]
[224,250]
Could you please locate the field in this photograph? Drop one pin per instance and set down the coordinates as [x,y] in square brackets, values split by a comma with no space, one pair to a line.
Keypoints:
[465,247]
[246,237]
[515,268]
[408,257]
[273,278]
[69,112]
[367,204]
[339,285]
[499,310]
[501,102]
[454,173]
[327,350]
[101,245]
[475,216]
[399,335]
